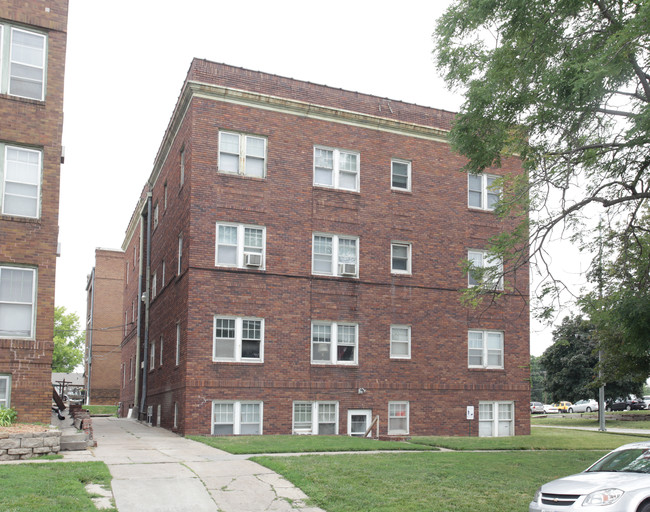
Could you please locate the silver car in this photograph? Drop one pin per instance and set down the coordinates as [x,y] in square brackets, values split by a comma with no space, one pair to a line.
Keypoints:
[619,482]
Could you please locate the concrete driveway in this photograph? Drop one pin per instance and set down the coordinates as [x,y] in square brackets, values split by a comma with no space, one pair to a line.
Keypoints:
[156,470]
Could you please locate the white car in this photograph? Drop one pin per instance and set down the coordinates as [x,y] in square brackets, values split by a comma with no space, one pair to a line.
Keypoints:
[619,482]
[584,406]
[550,409]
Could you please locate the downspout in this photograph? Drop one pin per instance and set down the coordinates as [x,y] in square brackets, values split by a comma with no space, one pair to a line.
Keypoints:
[90,336]
[136,399]
[145,356]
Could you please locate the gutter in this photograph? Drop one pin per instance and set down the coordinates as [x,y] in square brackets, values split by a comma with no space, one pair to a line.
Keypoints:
[89,360]
[146,297]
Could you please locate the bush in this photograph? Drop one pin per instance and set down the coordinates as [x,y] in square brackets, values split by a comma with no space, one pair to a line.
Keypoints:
[7,416]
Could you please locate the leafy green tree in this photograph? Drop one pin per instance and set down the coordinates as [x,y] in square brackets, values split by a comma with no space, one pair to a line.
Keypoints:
[68,341]
[571,365]
[619,305]
[565,85]
[537,380]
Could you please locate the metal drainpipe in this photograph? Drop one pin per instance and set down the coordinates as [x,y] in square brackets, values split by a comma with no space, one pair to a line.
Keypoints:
[136,399]
[147,278]
[90,336]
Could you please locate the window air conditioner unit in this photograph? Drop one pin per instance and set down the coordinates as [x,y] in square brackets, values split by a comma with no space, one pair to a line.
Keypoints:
[347,269]
[252,259]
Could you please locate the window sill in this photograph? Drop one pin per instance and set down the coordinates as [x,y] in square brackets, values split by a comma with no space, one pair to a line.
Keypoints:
[238,175]
[18,218]
[480,210]
[397,358]
[38,103]
[335,365]
[401,274]
[486,369]
[229,361]
[401,190]
[334,189]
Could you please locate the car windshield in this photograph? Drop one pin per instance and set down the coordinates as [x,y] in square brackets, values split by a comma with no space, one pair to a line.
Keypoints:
[634,460]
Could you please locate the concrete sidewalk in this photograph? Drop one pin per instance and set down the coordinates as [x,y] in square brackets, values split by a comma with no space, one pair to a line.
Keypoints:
[156,470]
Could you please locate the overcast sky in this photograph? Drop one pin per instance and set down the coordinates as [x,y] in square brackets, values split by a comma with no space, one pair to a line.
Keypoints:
[127,60]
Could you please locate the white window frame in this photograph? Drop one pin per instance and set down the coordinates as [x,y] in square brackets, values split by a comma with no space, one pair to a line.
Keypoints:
[32,325]
[394,341]
[408,174]
[335,265]
[409,253]
[483,184]
[180,254]
[391,415]
[162,278]
[4,175]
[154,285]
[161,350]
[155,215]
[314,427]
[336,169]
[175,415]
[237,416]
[481,259]
[240,246]
[242,156]
[182,171]
[7,81]
[497,419]
[238,340]
[484,350]
[5,400]
[334,343]
[178,343]
[152,356]
[131,368]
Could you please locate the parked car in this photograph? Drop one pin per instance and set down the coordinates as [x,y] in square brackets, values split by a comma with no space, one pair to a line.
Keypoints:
[584,406]
[550,409]
[618,482]
[624,404]
[646,399]
[536,408]
[563,406]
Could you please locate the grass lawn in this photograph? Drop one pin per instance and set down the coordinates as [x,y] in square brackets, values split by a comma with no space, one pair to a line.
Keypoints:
[612,420]
[102,409]
[540,439]
[426,481]
[291,444]
[50,487]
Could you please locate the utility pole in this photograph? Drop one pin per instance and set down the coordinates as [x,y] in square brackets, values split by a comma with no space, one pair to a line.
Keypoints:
[601,390]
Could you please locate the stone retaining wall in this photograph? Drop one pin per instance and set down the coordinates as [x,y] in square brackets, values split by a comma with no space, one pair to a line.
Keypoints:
[28,445]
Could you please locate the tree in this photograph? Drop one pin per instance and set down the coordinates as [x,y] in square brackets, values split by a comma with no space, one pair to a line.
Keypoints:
[68,341]
[565,85]
[571,365]
[619,305]
[537,380]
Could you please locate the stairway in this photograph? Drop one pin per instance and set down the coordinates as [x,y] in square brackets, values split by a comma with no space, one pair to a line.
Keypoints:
[71,438]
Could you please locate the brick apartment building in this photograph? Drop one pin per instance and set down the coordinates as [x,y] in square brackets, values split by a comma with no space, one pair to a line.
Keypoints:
[32,45]
[104,295]
[294,265]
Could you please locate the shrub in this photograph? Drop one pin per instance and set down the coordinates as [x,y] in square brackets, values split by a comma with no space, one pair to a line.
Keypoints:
[7,416]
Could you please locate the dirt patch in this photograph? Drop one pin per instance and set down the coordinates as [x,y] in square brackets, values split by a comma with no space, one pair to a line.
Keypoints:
[21,428]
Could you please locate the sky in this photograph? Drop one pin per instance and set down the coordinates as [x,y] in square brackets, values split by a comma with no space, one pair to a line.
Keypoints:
[127,60]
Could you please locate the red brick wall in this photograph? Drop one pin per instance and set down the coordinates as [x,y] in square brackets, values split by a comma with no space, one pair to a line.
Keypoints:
[434,217]
[105,376]
[33,242]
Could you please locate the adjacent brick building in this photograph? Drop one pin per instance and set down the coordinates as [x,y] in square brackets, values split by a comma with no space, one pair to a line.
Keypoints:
[33,43]
[104,299]
[295,264]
